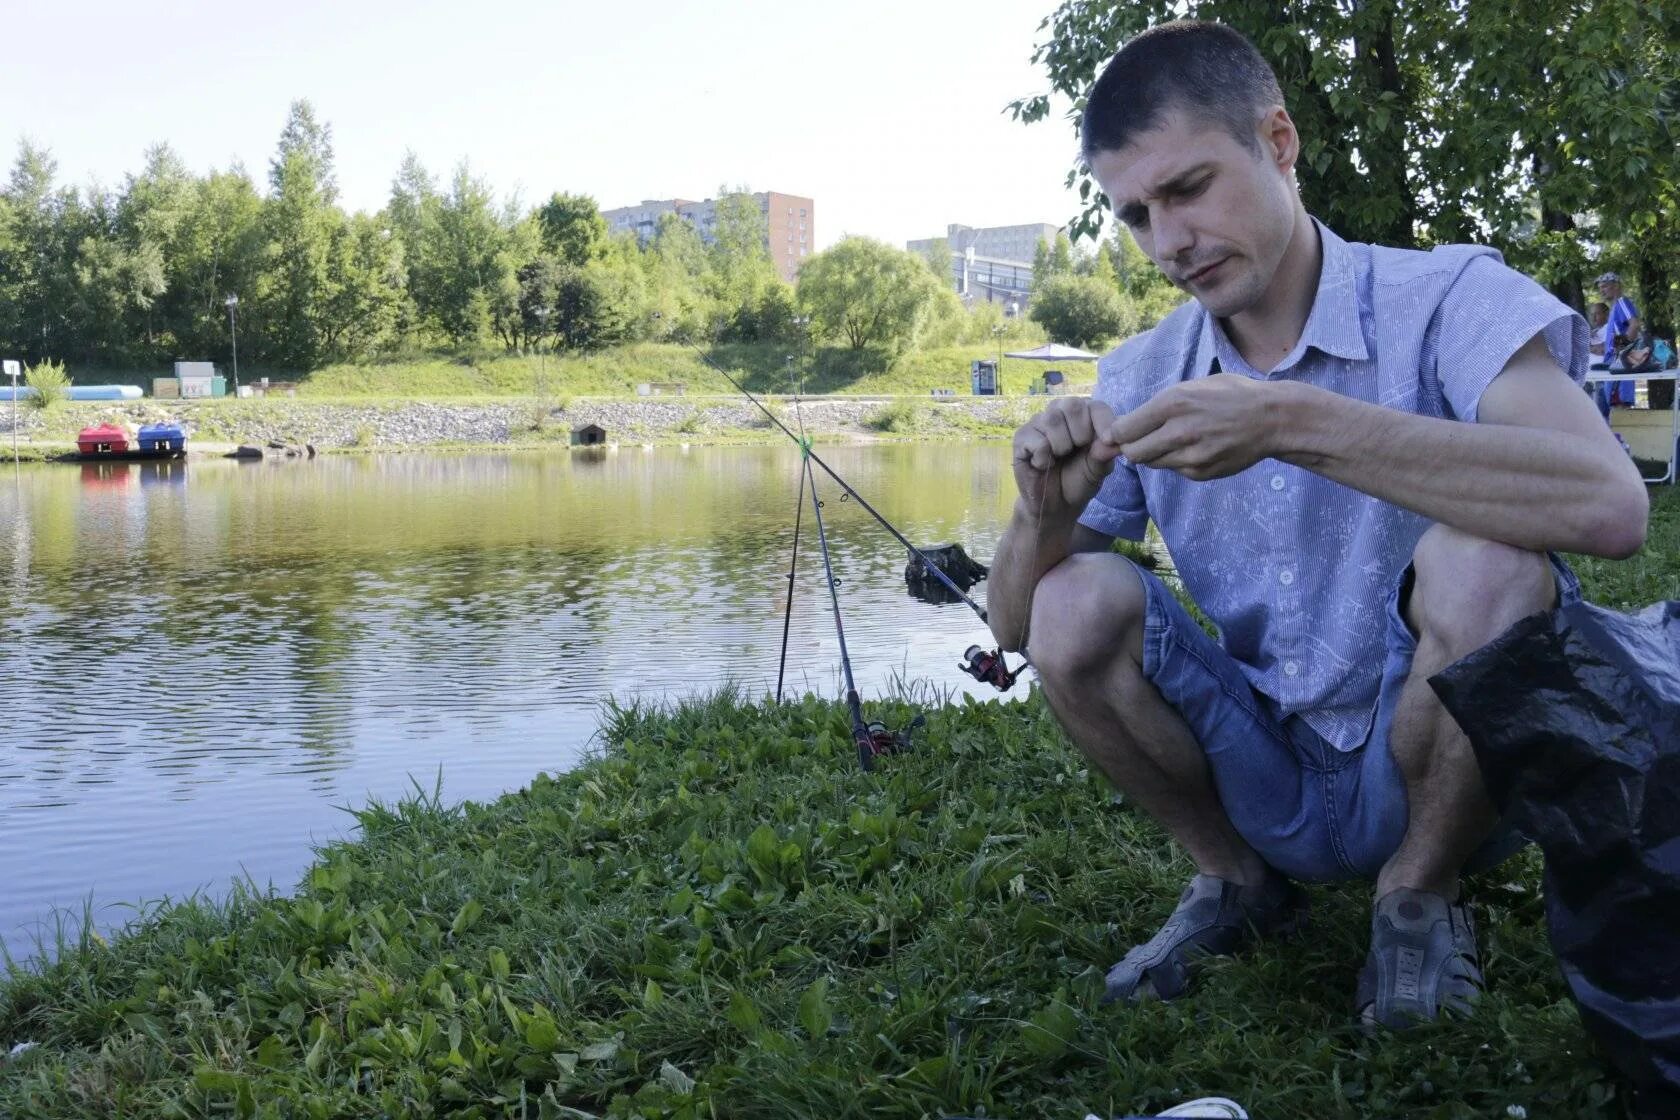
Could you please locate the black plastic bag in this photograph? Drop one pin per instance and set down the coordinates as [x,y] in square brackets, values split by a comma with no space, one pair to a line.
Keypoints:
[1574,715]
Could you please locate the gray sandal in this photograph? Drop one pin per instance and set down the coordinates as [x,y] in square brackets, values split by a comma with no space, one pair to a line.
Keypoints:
[1423,961]
[1214,917]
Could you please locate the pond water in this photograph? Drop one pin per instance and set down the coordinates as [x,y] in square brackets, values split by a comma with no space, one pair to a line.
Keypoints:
[202,665]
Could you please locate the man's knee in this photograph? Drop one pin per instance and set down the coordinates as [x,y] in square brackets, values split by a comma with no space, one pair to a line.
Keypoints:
[1468,590]
[1087,612]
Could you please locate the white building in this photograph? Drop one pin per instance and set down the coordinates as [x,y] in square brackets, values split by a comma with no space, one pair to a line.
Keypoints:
[993,264]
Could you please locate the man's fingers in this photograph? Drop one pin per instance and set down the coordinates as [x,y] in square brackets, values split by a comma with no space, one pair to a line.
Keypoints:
[1031,447]
[1079,427]
[1103,449]
[1147,450]
[1141,421]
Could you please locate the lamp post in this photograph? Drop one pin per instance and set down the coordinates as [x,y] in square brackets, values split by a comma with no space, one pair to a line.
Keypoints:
[12,371]
[997,333]
[232,304]
[801,323]
[542,335]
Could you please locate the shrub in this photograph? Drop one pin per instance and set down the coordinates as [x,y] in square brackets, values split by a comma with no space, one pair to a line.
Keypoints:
[50,382]
[897,417]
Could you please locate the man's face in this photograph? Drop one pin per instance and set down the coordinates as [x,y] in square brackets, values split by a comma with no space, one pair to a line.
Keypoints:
[1215,215]
[1610,291]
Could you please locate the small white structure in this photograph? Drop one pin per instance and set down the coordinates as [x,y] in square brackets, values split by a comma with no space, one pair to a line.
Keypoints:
[197,379]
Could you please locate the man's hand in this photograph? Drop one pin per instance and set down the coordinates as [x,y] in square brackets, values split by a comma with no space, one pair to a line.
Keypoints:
[1061,459]
[1212,427]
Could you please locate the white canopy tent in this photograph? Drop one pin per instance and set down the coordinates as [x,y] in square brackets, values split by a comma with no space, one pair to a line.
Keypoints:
[1054,352]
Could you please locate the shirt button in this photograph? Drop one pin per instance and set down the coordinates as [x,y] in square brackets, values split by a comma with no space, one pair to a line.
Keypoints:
[1286,577]
[1277,482]
[1291,668]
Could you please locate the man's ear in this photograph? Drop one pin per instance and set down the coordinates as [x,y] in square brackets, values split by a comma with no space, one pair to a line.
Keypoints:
[1279,142]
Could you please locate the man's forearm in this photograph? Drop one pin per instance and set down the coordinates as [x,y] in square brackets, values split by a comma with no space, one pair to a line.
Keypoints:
[1024,553]
[1537,489]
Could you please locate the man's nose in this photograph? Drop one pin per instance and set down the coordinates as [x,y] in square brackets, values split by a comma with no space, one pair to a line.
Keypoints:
[1173,238]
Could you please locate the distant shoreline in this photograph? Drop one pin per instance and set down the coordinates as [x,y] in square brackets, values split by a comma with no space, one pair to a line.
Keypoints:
[216,426]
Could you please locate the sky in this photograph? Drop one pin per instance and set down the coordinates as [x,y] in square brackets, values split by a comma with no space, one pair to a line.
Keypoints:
[890,115]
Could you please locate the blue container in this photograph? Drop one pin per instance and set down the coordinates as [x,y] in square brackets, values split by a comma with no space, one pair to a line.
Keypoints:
[162,438]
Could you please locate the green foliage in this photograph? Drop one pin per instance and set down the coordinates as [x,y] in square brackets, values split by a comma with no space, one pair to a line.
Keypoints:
[896,418]
[50,382]
[1424,122]
[868,294]
[1080,311]
[1061,257]
[572,228]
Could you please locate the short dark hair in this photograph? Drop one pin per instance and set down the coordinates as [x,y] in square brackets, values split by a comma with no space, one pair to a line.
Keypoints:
[1206,68]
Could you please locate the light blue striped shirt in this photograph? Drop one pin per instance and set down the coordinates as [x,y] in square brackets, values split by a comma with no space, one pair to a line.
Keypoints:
[1294,569]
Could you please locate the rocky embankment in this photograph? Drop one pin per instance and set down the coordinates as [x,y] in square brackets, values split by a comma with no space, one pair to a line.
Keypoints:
[399,424]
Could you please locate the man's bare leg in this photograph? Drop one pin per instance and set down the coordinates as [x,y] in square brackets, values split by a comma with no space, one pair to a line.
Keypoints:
[1087,645]
[1467,592]
[1423,958]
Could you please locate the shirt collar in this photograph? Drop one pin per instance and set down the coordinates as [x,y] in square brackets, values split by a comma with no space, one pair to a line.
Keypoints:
[1333,325]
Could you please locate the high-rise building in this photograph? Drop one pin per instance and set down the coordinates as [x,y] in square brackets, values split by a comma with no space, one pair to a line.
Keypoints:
[993,264]
[790,224]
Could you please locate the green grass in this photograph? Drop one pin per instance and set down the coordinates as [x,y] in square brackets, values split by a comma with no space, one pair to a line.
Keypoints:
[617,372]
[720,916]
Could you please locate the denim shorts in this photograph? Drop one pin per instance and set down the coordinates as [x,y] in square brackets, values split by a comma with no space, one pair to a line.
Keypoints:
[1315,813]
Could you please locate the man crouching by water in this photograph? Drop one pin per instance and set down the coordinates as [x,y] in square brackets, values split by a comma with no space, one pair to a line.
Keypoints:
[1362,460]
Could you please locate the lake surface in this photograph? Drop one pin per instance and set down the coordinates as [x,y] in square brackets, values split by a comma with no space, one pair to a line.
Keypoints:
[202,664]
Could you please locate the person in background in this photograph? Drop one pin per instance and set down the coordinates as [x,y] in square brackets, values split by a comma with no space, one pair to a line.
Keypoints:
[1598,314]
[1615,334]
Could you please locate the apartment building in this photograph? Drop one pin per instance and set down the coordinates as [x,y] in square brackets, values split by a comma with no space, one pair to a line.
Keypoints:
[992,264]
[790,223]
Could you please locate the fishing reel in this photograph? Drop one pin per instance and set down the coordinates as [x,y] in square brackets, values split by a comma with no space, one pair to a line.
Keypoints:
[876,740]
[884,740]
[988,667]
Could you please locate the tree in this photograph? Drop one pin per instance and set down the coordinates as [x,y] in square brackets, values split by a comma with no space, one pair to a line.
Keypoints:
[37,278]
[740,269]
[866,293]
[300,223]
[359,311]
[1078,310]
[674,267]
[1041,260]
[1103,266]
[218,252]
[1061,256]
[305,143]
[572,228]
[938,257]
[461,261]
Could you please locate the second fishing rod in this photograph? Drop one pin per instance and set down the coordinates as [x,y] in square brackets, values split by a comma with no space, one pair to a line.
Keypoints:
[990,668]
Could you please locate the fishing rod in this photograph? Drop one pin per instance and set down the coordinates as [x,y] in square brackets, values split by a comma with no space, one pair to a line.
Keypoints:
[862,736]
[869,737]
[793,567]
[986,667]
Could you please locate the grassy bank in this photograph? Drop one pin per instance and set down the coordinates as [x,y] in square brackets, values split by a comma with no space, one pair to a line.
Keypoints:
[720,916]
[617,372]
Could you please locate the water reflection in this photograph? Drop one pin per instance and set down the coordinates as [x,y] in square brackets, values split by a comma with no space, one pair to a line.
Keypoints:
[203,662]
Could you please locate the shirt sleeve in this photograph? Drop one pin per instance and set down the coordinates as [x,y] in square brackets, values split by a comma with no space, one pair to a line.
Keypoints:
[1118,509]
[1488,313]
